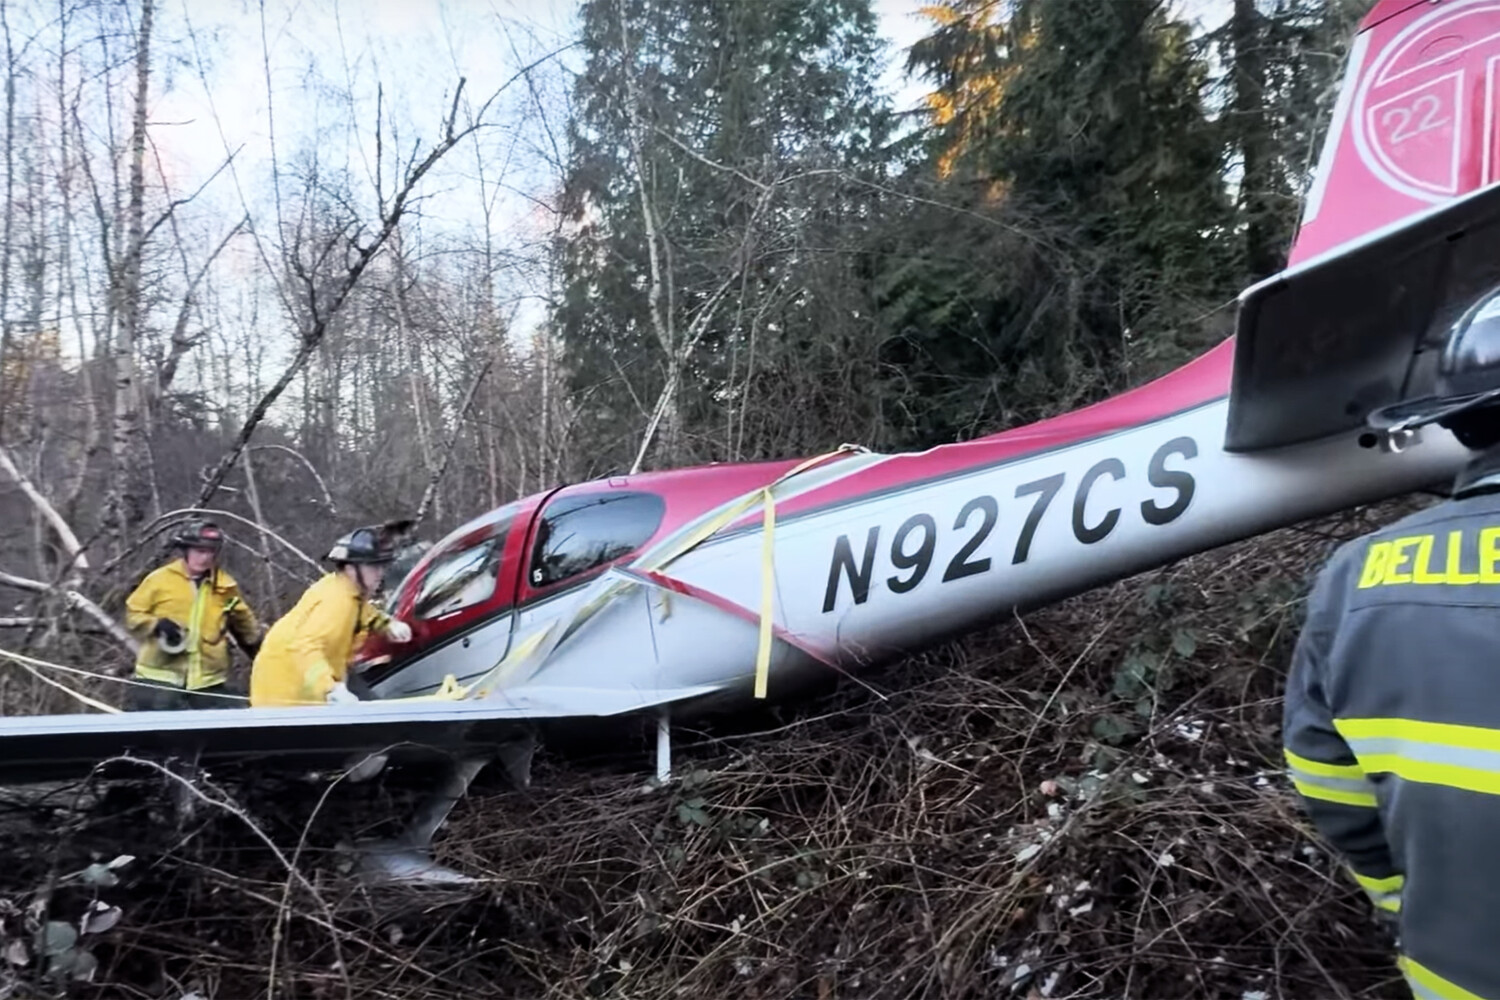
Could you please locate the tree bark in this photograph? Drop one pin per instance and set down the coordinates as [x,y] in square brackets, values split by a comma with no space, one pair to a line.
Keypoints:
[49,513]
[253,491]
[5,236]
[1264,253]
[132,500]
[458,426]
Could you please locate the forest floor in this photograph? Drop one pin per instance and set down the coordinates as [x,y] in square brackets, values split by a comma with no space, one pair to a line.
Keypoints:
[1087,802]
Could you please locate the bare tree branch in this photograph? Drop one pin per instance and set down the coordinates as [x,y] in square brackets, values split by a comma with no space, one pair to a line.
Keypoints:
[327,496]
[312,337]
[181,342]
[179,202]
[458,425]
[77,601]
[49,513]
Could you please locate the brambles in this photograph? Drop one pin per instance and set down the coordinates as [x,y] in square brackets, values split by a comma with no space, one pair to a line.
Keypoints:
[977,833]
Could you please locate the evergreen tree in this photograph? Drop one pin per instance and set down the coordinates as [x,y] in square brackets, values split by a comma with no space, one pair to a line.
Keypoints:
[723,162]
[1284,62]
[1090,117]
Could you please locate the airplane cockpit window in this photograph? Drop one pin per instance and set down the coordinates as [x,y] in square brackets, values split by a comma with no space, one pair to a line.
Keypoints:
[580,533]
[460,580]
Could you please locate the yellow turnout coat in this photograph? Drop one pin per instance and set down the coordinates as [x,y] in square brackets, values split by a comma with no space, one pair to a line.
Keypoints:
[207,613]
[308,650]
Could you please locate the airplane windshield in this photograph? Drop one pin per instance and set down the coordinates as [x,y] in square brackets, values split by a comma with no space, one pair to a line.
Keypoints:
[461,578]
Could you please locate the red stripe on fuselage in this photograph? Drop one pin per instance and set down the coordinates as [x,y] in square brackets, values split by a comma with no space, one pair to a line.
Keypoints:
[1200,381]
[691,492]
[739,611]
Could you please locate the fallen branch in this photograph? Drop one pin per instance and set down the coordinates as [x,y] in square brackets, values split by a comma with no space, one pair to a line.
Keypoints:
[312,470]
[64,532]
[161,524]
[73,599]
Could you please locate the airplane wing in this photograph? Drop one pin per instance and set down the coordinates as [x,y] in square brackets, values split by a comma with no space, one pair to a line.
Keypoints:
[58,747]
[1324,342]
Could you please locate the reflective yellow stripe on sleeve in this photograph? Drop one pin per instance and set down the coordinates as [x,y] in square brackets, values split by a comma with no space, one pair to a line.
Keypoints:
[1428,985]
[1383,892]
[1344,784]
[1433,753]
[164,675]
[195,639]
[309,676]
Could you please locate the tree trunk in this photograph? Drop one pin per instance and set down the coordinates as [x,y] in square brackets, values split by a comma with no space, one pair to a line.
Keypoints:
[132,458]
[77,476]
[253,492]
[5,236]
[1259,191]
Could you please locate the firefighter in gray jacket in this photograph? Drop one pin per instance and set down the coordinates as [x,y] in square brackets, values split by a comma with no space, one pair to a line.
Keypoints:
[1392,718]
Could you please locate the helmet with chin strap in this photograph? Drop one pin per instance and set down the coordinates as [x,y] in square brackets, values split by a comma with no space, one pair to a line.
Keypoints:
[372,545]
[198,535]
[1467,390]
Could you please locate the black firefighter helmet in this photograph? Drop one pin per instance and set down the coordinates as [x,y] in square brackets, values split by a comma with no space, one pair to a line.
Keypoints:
[198,535]
[1468,379]
[373,544]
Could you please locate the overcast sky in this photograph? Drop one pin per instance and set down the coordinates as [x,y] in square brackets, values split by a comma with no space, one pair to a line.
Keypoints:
[313,67]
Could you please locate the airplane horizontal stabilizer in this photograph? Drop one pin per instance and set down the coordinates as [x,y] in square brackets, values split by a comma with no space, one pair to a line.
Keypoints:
[1324,342]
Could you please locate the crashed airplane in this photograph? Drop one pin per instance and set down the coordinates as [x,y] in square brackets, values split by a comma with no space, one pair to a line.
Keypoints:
[680,593]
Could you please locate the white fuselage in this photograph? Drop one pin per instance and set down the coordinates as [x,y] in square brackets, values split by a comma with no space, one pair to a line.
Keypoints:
[870,576]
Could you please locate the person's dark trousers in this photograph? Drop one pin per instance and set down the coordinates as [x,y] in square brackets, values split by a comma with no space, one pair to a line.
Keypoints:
[154,696]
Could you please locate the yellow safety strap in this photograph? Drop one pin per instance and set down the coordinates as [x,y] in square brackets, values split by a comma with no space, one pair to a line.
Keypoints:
[655,562]
[766,496]
[767,594]
[451,690]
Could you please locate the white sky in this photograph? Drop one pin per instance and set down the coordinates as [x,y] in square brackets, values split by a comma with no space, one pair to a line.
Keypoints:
[321,51]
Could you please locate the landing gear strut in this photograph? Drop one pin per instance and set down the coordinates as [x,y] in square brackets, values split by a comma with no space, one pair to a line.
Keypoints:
[407,858]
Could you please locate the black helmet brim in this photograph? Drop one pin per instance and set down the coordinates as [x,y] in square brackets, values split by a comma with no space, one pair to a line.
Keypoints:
[1413,413]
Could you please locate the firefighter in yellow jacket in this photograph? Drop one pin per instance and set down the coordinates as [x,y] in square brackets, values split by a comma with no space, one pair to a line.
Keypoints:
[183,614]
[307,652]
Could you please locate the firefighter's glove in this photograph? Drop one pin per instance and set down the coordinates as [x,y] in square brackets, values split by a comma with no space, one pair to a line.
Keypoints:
[341,695]
[169,635]
[397,630]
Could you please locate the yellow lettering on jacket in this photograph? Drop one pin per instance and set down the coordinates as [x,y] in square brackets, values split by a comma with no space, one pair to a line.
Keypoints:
[1489,555]
[1399,555]
[1412,560]
[1454,573]
[1375,560]
[1423,563]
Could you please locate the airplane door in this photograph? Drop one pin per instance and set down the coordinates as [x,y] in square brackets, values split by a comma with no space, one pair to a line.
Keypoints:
[461,606]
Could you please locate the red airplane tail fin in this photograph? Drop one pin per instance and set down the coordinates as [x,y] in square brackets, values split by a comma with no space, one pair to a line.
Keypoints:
[1414,124]
[1400,231]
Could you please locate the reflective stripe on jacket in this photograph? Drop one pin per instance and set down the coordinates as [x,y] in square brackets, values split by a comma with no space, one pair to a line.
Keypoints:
[206,612]
[308,650]
[1392,733]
